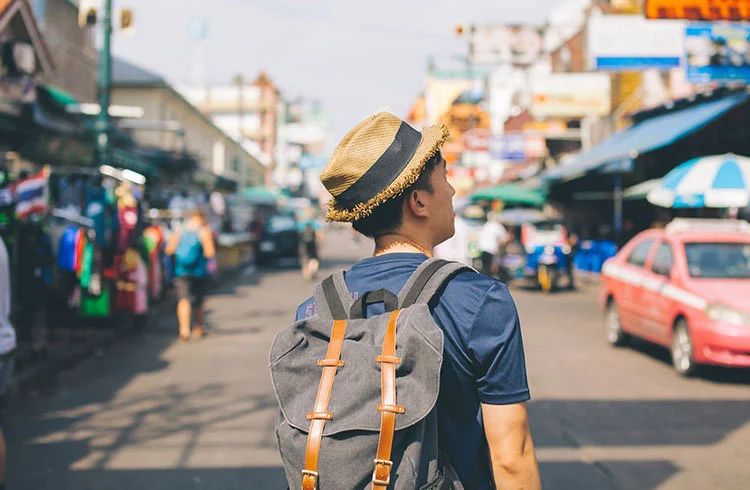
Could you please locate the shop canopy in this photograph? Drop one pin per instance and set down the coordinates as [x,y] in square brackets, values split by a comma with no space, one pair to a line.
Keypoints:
[617,153]
[513,194]
[639,191]
[260,195]
[716,181]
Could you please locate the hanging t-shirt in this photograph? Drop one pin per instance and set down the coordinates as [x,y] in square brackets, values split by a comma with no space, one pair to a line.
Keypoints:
[127,216]
[66,250]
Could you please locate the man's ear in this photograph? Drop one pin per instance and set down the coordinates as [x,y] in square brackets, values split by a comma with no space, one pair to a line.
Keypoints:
[417,203]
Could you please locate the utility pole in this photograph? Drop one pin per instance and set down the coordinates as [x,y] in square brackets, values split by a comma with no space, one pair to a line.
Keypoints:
[239,80]
[104,82]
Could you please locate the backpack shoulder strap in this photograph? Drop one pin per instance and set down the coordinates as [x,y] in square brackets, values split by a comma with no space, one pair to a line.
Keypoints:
[427,280]
[332,298]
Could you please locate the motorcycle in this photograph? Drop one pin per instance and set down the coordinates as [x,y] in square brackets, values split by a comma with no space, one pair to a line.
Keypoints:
[546,264]
[547,256]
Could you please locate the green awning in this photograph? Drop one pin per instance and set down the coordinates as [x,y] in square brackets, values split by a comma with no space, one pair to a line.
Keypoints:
[511,194]
[60,96]
[123,158]
[260,195]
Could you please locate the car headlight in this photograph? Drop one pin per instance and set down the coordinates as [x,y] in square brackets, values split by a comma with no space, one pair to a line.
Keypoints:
[724,313]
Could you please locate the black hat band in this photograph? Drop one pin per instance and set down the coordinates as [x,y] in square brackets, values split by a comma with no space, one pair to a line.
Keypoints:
[385,169]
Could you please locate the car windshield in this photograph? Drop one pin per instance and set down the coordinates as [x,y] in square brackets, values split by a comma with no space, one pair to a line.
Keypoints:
[281,223]
[718,260]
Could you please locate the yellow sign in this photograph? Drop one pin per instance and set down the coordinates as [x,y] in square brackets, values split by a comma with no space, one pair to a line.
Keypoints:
[698,9]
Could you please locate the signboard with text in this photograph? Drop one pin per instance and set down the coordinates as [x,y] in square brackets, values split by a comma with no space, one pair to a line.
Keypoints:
[717,52]
[630,42]
[504,44]
[698,9]
[570,95]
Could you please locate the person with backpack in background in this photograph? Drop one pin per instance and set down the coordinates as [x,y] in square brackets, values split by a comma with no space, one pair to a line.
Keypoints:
[192,248]
[405,371]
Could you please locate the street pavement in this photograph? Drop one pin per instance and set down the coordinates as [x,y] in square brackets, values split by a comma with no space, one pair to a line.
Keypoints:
[153,413]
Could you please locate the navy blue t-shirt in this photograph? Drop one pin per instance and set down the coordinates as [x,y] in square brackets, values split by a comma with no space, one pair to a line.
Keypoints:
[483,359]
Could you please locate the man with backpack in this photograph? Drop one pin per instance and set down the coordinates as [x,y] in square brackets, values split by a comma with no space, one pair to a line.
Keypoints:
[192,248]
[405,371]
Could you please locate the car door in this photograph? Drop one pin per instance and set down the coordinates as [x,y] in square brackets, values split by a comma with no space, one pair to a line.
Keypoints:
[657,305]
[632,277]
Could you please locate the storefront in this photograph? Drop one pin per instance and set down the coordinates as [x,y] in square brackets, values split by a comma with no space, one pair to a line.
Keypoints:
[589,191]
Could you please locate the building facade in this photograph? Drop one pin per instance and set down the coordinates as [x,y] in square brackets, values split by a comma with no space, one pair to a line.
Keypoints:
[72,48]
[249,112]
[171,123]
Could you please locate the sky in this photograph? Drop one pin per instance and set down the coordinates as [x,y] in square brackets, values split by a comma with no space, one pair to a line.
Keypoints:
[356,56]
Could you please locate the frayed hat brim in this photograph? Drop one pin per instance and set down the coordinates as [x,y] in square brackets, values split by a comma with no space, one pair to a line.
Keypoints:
[433,140]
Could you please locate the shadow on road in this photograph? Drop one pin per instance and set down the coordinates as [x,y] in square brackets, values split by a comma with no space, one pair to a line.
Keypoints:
[565,426]
[258,478]
[622,423]
[604,475]
[716,374]
[73,431]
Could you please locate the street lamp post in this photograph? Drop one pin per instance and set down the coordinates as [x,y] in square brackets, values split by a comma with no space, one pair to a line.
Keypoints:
[104,82]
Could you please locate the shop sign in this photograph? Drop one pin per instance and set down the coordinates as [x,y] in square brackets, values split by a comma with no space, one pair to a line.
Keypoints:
[630,42]
[698,9]
[570,95]
[505,44]
[477,140]
[518,147]
[717,52]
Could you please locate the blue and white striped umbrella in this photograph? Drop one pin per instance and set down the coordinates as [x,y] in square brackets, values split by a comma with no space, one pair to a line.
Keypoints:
[718,181]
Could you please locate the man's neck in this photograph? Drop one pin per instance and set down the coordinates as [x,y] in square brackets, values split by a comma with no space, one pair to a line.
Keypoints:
[400,243]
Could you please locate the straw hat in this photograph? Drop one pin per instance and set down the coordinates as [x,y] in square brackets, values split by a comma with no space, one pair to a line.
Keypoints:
[376,161]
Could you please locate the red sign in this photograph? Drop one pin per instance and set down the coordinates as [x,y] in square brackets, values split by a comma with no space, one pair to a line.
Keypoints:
[698,9]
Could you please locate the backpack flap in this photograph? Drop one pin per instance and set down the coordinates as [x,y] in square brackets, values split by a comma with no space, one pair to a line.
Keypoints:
[356,390]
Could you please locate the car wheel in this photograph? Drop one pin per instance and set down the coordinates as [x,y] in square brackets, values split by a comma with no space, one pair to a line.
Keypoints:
[615,335]
[682,350]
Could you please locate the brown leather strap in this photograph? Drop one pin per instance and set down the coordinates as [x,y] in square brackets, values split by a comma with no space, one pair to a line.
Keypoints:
[320,413]
[381,475]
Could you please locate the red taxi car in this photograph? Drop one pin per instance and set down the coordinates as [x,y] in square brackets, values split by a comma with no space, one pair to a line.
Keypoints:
[686,287]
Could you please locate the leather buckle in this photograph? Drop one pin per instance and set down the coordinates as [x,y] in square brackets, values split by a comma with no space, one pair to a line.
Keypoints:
[388,359]
[309,474]
[375,477]
[391,408]
[330,363]
[319,416]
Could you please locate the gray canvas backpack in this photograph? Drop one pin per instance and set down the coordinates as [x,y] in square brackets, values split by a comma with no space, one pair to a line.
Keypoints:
[357,395]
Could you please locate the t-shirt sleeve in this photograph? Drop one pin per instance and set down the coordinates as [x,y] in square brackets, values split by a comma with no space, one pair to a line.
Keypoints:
[496,348]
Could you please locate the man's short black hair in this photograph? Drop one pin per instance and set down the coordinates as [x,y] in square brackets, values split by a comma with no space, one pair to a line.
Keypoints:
[388,217]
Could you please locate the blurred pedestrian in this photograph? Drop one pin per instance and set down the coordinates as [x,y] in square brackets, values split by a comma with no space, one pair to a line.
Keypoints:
[192,247]
[492,238]
[574,244]
[390,181]
[309,238]
[7,349]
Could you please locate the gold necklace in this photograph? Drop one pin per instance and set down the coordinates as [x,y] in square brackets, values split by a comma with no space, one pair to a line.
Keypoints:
[403,244]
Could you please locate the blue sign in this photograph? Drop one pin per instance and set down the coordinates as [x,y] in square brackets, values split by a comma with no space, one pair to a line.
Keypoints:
[626,63]
[509,147]
[717,52]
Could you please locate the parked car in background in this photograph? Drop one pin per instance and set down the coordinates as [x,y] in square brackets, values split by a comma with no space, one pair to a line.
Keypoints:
[685,287]
[279,239]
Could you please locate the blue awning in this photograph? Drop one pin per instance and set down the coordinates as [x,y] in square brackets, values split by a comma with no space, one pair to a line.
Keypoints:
[617,153]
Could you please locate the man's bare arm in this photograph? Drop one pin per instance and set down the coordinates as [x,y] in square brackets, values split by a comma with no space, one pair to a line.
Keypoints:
[514,464]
